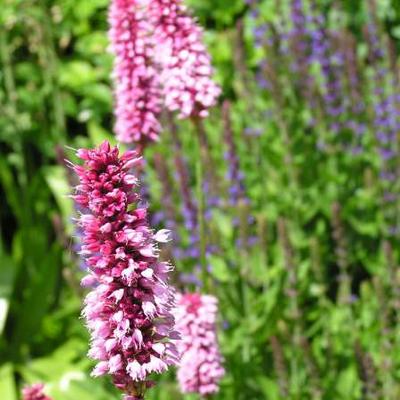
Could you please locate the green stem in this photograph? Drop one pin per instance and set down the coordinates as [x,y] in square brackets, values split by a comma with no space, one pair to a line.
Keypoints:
[263,246]
[51,76]
[244,272]
[201,225]
[9,82]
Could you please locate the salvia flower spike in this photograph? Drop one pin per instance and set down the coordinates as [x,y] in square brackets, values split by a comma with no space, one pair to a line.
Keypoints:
[200,369]
[128,312]
[137,90]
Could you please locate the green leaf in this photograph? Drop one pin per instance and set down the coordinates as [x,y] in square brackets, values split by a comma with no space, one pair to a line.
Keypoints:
[39,286]
[56,178]
[347,383]
[220,270]
[7,276]
[269,388]
[8,182]
[223,224]
[73,387]
[67,358]
[76,74]
[396,32]
[98,134]
[85,9]
[7,383]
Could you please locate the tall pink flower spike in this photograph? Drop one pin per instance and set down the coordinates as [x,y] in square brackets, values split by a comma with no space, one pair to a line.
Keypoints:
[186,72]
[137,89]
[200,369]
[34,392]
[128,312]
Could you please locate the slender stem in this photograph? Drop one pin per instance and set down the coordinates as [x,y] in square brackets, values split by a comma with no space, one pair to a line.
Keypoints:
[206,156]
[201,225]
[263,245]
[244,272]
[344,290]
[7,71]
[50,55]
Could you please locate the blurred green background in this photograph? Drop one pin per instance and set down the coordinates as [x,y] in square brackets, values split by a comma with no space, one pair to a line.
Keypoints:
[311,310]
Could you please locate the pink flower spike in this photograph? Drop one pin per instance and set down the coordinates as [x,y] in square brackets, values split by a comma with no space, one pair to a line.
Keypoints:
[186,72]
[131,296]
[200,369]
[34,392]
[137,90]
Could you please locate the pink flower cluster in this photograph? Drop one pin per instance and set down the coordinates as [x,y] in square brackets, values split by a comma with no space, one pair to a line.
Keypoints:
[137,91]
[159,56]
[129,310]
[200,369]
[185,63]
[34,392]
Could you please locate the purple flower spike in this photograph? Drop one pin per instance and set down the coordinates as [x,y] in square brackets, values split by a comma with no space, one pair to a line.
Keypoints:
[128,313]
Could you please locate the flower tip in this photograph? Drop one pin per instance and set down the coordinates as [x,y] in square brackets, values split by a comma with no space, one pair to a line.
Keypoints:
[88,281]
[83,154]
[105,146]
[163,236]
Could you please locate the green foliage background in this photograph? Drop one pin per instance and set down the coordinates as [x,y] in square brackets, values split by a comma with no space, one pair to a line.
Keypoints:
[55,92]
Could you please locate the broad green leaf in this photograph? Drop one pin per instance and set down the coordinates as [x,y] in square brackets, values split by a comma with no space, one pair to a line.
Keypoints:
[219,269]
[269,388]
[347,385]
[7,383]
[56,178]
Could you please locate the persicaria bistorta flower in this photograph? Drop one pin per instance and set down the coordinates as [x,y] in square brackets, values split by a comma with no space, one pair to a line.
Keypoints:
[129,310]
[137,91]
[34,392]
[200,368]
[183,59]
